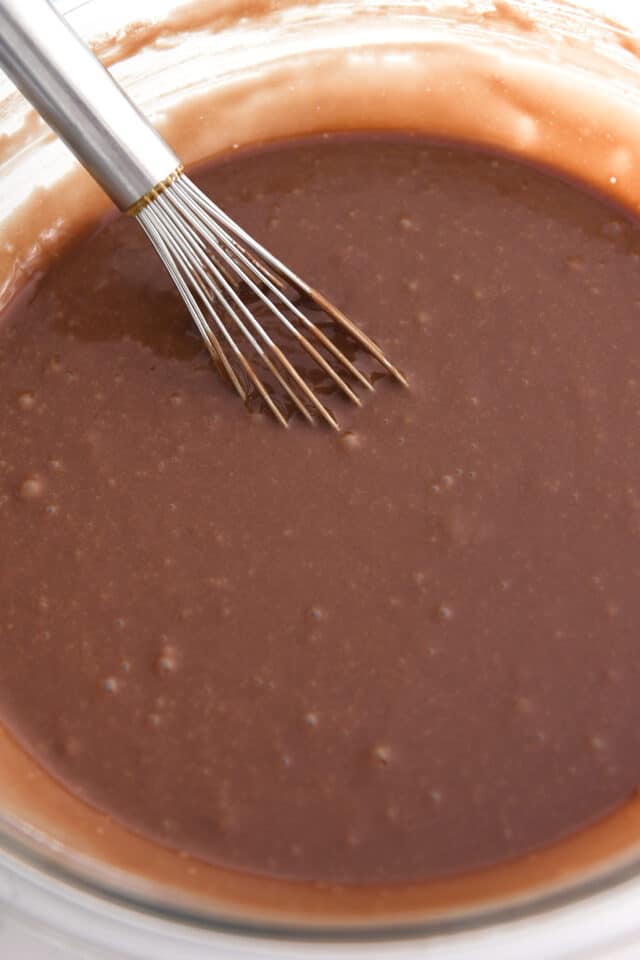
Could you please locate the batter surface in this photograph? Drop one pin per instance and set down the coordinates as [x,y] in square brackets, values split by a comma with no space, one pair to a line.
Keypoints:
[403,651]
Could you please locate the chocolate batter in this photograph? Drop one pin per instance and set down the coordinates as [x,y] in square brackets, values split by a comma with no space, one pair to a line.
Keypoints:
[388,655]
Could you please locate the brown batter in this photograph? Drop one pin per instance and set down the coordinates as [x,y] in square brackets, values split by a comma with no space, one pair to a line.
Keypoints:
[389,655]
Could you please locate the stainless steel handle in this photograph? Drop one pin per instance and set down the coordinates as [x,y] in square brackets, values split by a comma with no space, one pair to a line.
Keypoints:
[80,100]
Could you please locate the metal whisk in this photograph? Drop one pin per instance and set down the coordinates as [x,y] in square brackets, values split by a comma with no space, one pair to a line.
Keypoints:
[246,304]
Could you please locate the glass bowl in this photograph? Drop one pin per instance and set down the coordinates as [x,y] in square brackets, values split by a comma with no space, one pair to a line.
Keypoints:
[213,76]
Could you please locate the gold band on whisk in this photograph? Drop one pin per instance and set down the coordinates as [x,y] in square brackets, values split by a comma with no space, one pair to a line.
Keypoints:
[155,192]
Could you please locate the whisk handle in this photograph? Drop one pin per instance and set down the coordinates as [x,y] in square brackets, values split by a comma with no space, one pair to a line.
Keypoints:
[80,100]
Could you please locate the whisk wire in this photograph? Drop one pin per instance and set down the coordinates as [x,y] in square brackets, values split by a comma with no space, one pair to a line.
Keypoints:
[176,269]
[215,265]
[217,283]
[211,342]
[217,238]
[184,184]
[210,338]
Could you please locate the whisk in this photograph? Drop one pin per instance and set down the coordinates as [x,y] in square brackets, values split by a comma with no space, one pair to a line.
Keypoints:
[227,280]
